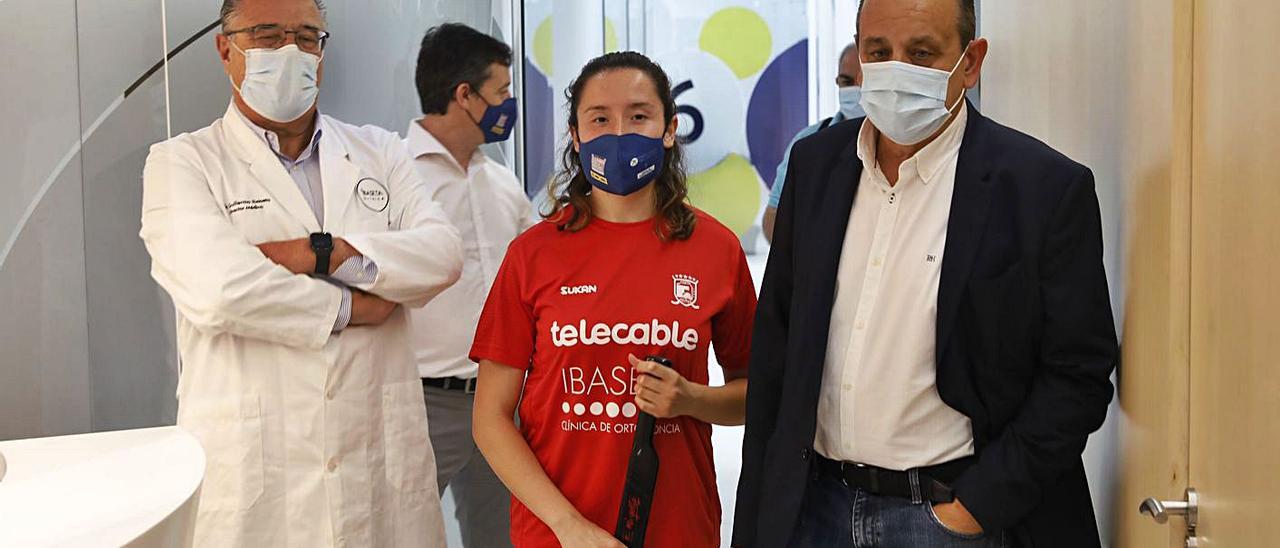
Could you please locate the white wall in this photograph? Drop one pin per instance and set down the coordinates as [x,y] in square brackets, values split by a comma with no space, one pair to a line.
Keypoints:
[86,337]
[1058,71]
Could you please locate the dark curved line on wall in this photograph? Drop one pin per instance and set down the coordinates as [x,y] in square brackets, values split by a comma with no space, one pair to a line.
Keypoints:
[138,83]
[6,247]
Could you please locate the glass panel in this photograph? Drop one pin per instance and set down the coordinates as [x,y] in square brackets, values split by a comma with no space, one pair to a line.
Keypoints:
[130,320]
[557,33]
[369,63]
[741,72]
[44,369]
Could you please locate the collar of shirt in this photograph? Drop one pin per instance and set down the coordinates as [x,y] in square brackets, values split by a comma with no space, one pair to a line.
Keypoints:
[423,143]
[273,141]
[928,162]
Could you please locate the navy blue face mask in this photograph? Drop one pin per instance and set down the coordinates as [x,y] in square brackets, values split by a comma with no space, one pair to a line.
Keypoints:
[498,120]
[621,164]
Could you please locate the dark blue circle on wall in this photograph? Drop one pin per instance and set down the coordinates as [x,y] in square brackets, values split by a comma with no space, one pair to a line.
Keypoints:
[779,109]
[540,138]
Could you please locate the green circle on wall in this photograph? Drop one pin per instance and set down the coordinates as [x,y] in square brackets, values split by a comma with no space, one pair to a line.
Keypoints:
[740,38]
[730,192]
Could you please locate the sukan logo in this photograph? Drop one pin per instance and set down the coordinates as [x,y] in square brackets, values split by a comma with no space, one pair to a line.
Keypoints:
[578,289]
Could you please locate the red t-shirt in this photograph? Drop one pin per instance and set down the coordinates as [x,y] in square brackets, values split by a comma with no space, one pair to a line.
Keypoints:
[568,307]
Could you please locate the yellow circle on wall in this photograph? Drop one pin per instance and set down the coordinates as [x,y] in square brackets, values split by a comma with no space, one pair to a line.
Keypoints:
[543,54]
[740,38]
[610,36]
[730,192]
[544,40]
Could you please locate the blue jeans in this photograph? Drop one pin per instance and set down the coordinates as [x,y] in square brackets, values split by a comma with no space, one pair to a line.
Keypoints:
[835,516]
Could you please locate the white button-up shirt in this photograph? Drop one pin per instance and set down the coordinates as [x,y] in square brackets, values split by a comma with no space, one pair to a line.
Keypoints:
[487,204]
[879,402]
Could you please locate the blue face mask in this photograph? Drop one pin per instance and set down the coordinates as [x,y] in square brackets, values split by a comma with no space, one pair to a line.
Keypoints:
[622,164]
[498,120]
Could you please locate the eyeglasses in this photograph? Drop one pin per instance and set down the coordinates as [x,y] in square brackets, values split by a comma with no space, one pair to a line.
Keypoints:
[274,36]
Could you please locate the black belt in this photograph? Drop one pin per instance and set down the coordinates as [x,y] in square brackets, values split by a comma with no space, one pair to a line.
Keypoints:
[931,483]
[466,386]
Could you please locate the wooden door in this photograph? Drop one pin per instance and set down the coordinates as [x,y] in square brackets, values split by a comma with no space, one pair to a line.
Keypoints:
[1154,377]
[1235,273]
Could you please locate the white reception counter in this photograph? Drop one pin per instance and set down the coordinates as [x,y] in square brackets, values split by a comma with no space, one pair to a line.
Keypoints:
[127,488]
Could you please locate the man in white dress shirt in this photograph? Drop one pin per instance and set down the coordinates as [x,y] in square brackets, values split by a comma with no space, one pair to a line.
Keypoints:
[464,83]
[934,340]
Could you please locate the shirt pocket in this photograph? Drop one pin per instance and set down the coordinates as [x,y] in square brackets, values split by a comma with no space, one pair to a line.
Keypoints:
[408,453]
[230,428]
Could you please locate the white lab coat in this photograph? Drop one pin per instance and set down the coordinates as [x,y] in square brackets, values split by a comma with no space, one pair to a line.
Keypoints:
[313,439]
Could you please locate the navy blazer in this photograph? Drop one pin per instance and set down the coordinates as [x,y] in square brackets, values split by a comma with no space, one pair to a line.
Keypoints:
[1026,342]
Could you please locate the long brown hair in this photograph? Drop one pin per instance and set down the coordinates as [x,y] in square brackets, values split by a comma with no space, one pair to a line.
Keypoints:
[570,208]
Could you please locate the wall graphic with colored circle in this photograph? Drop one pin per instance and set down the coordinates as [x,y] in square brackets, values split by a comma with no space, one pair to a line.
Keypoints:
[740,74]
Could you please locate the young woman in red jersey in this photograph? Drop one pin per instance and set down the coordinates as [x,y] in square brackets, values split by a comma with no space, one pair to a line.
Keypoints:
[621,267]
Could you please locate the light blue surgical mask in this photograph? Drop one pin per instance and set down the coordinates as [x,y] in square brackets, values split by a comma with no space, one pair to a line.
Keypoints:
[907,103]
[280,84]
[851,102]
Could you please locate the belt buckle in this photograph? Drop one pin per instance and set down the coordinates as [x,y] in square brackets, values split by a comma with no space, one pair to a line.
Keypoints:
[843,465]
[469,386]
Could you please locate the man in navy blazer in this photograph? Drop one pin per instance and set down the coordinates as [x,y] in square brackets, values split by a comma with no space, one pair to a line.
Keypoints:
[934,339]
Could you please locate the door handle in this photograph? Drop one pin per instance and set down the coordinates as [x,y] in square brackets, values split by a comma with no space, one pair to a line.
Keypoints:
[1160,510]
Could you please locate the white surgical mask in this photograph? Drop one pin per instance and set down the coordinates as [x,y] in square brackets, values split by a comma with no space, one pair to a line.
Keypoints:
[280,84]
[851,102]
[907,103]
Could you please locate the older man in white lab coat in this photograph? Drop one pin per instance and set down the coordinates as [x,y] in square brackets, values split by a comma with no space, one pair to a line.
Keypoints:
[291,243]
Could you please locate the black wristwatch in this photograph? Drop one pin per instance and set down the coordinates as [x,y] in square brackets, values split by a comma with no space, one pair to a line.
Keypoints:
[322,244]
